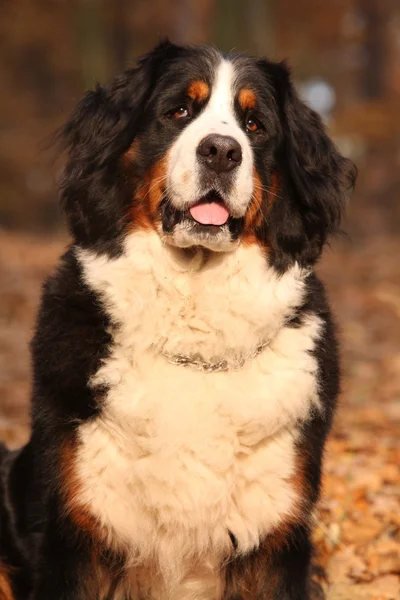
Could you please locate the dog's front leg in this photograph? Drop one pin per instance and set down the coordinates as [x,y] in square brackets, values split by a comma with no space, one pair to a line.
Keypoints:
[67,564]
[277,570]
[63,565]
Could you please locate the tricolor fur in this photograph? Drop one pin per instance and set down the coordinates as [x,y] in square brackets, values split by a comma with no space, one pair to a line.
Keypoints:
[199,191]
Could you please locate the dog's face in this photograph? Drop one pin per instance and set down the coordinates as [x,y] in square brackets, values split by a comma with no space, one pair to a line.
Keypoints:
[207,121]
[207,150]
[210,180]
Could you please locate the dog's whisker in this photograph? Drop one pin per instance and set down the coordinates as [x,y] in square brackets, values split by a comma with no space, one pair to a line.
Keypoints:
[154,184]
[270,191]
[260,208]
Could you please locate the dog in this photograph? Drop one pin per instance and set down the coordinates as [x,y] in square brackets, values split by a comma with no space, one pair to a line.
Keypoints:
[185,362]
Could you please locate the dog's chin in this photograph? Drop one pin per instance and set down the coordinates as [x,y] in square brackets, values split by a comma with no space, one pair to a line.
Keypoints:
[189,235]
[218,233]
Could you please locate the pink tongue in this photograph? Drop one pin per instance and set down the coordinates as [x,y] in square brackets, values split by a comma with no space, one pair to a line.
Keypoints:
[209,213]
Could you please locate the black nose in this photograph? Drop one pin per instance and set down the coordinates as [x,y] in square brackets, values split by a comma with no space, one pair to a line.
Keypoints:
[220,153]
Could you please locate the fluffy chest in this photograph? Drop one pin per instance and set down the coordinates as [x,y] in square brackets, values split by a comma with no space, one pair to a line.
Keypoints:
[180,459]
[164,302]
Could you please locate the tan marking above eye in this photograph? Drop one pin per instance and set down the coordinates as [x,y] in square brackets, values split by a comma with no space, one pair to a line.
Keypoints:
[247,99]
[5,583]
[198,91]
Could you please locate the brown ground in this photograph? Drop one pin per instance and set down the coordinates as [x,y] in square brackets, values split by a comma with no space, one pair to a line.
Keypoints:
[358,524]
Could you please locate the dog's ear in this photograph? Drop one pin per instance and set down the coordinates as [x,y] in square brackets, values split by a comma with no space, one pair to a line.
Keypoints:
[94,193]
[315,178]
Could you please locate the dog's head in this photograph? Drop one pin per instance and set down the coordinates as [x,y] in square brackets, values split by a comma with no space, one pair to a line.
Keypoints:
[208,150]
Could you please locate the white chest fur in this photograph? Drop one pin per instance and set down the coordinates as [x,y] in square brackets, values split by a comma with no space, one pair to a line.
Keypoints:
[181,457]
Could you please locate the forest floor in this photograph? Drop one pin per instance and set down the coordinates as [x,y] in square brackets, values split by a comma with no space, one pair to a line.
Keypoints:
[358,522]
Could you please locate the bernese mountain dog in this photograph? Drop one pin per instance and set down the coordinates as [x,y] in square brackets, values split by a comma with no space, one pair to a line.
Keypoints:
[185,365]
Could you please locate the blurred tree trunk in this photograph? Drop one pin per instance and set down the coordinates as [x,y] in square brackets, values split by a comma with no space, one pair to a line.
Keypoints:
[91,39]
[373,74]
[121,34]
[260,27]
[229,31]
[246,26]
[191,21]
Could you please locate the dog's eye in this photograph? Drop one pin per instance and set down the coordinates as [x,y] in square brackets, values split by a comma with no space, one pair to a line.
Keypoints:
[179,113]
[253,125]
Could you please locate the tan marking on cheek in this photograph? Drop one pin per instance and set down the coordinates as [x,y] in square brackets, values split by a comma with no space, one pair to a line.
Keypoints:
[5,583]
[256,214]
[247,99]
[185,177]
[253,217]
[273,189]
[146,202]
[158,177]
[198,91]
[131,154]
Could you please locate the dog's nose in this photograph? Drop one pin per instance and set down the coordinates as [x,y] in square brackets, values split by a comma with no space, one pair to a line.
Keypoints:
[221,153]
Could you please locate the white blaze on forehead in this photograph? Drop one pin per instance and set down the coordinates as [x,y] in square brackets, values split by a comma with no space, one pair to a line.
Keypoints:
[219,114]
[184,170]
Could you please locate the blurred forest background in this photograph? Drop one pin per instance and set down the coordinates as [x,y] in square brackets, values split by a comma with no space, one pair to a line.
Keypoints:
[346,55]
[346,59]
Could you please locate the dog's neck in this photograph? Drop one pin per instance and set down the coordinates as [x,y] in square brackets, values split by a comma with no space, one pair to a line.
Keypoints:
[193,305]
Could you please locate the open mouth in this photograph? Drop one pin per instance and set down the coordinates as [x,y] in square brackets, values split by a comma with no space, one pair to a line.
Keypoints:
[208,222]
[210,210]
[208,214]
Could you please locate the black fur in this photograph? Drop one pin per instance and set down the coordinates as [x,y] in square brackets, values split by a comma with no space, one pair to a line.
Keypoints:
[96,193]
[316,179]
[48,558]
[72,336]
[286,568]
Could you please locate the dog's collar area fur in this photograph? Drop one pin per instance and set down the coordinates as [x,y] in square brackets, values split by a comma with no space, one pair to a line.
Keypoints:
[197,362]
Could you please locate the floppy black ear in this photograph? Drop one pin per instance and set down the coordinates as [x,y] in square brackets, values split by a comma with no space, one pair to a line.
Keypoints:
[315,177]
[94,192]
